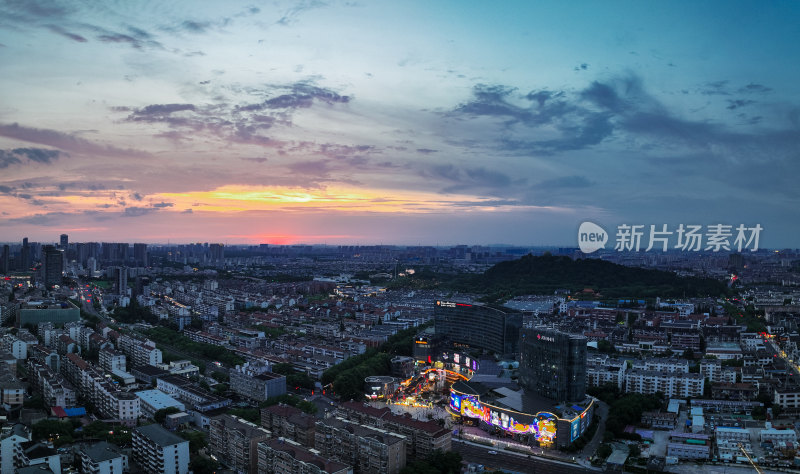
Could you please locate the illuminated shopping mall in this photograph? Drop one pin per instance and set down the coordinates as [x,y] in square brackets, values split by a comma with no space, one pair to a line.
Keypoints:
[551,409]
[531,419]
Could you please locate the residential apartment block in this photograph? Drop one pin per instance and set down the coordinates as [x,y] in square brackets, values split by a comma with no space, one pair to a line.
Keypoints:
[158,451]
[283,456]
[234,442]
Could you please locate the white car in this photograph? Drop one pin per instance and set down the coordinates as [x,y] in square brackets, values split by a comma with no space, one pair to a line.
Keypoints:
[492,452]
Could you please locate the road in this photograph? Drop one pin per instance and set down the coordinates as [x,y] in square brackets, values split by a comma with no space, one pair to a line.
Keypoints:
[512,461]
[601,411]
[777,350]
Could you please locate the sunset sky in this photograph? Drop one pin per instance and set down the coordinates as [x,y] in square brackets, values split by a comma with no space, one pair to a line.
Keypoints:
[396,122]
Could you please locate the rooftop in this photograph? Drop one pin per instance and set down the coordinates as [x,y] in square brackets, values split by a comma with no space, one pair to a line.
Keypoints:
[248,430]
[159,435]
[296,451]
[158,399]
[527,404]
[36,450]
[149,370]
[35,469]
[101,451]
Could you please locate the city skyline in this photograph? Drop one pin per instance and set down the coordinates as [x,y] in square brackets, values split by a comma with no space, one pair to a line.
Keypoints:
[341,123]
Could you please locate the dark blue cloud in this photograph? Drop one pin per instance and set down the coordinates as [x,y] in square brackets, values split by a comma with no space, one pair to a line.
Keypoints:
[303,95]
[195,26]
[242,123]
[735,104]
[290,16]
[753,88]
[715,88]
[63,141]
[135,211]
[475,179]
[35,155]
[604,95]
[61,31]
[566,182]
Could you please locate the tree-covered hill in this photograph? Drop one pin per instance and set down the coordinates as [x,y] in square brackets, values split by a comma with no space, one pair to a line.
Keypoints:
[545,274]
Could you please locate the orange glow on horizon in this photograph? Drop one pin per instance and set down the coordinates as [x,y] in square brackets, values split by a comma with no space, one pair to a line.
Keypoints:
[237,198]
[288,239]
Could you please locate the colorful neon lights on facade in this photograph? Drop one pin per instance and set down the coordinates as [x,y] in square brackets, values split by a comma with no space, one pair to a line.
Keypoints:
[543,428]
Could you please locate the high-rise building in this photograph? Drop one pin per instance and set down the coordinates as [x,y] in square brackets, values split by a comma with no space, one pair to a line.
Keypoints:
[5,260]
[115,252]
[103,458]
[25,256]
[217,252]
[256,382]
[64,242]
[234,442]
[121,279]
[52,266]
[140,254]
[478,326]
[736,261]
[159,451]
[553,364]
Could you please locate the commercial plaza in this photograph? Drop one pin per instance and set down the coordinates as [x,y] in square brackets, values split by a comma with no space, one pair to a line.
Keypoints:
[552,410]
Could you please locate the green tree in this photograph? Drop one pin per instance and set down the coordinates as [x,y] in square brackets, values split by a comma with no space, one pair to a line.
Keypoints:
[605,346]
[160,415]
[604,450]
[437,463]
[197,440]
[292,400]
[51,429]
[283,368]
[35,401]
[220,376]
[202,465]
[253,415]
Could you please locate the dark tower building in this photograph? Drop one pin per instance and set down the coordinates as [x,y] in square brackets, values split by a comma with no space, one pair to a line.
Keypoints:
[121,278]
[217,252]
[736,261]
[478,326]
[116,253]
[140,254]
[5,260]
[25,256]
[81,251]
[553,364]
[64,242]
[52,266]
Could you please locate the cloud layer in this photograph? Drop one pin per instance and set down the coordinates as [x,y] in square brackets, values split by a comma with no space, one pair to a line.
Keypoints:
[153,119]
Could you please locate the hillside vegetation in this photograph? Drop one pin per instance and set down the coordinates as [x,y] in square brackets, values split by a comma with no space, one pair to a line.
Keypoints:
[545,274]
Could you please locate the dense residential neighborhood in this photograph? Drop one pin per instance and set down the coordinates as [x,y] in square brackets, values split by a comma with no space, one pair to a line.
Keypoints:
[279,360]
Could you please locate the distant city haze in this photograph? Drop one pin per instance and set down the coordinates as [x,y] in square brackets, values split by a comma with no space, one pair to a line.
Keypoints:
[431,123]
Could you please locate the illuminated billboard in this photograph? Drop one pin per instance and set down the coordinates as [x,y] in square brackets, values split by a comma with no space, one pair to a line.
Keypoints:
[455,401]
[574,429]
[543,428]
